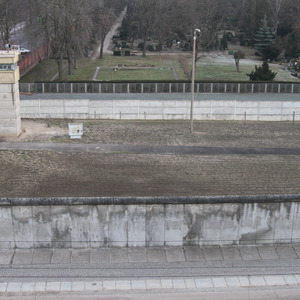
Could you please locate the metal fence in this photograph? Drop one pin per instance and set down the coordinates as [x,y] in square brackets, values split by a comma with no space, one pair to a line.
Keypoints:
[159,87]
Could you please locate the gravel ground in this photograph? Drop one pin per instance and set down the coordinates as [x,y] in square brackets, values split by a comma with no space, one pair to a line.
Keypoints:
[55,174]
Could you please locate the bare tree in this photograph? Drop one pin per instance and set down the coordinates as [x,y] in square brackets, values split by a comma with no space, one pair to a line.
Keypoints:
[65,28]
[276,6]
[144,16]
[8,19]
[103,18]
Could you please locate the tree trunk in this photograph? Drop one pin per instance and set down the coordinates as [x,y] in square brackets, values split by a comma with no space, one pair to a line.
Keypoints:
[70,63]
[101,46]
[144,46]
[60,67]
[237,64]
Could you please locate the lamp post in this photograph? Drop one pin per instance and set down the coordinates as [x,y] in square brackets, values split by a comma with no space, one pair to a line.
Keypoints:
[193,79]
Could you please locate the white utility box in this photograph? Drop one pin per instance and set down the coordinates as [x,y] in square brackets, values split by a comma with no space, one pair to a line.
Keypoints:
[75,131]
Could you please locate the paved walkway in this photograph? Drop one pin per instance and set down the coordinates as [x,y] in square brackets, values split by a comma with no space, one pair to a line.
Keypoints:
[113,270]
[147,149]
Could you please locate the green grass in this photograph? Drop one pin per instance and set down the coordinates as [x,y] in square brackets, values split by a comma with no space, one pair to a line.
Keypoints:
[205,70]
[222,72]
[86,69]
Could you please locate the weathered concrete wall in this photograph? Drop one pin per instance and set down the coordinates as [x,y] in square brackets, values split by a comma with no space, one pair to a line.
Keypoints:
[160,109]
[119,222]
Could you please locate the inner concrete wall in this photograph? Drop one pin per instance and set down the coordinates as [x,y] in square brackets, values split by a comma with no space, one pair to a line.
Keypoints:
[158,108]
[133,222]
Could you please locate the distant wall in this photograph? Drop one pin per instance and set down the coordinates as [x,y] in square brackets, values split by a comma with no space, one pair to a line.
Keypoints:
[30,60]
[157,109]
[160,87]
[121,222]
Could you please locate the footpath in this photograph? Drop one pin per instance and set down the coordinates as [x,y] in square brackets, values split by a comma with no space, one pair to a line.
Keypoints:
[107,271]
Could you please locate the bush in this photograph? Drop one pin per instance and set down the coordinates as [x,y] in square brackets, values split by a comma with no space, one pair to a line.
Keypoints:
[262,73]
[127,53]
[117,53]
[150,47]
[271,53]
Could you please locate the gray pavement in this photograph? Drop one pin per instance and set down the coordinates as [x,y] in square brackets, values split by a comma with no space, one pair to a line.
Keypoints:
[106,271]
[147,149]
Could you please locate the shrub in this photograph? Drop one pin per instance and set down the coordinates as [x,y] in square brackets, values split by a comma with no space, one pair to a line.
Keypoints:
[271,53]
[150,47]
[262,73]
[117,53]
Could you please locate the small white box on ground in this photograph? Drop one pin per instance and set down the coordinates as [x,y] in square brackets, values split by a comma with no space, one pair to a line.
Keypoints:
[75,131]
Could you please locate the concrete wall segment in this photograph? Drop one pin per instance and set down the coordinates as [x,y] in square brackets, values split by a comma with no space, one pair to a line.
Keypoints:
[122,222]
[132,108]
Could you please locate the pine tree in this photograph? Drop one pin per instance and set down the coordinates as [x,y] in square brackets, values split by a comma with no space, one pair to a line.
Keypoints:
[262,73]
[263,37]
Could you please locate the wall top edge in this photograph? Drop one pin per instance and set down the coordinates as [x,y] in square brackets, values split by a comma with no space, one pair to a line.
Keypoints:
[234,199]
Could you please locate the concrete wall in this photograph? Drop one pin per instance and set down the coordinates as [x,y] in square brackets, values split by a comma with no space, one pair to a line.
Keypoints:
[134,108]
[119,222]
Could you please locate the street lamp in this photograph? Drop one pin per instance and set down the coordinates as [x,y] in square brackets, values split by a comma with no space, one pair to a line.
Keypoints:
[193,78]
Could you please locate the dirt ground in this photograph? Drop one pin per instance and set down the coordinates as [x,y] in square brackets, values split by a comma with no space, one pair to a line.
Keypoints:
[206,133]
[56,174]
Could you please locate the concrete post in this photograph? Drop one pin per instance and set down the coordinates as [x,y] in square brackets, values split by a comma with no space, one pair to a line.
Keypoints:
[10,117]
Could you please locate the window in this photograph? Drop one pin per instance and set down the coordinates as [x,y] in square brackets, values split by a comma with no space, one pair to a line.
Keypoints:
[8,67]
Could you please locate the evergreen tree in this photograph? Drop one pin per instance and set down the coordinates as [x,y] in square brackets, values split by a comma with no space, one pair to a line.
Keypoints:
[262,73]
[263,37]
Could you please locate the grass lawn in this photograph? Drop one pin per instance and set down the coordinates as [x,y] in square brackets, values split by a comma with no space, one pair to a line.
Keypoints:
[156,67]
[222,72]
